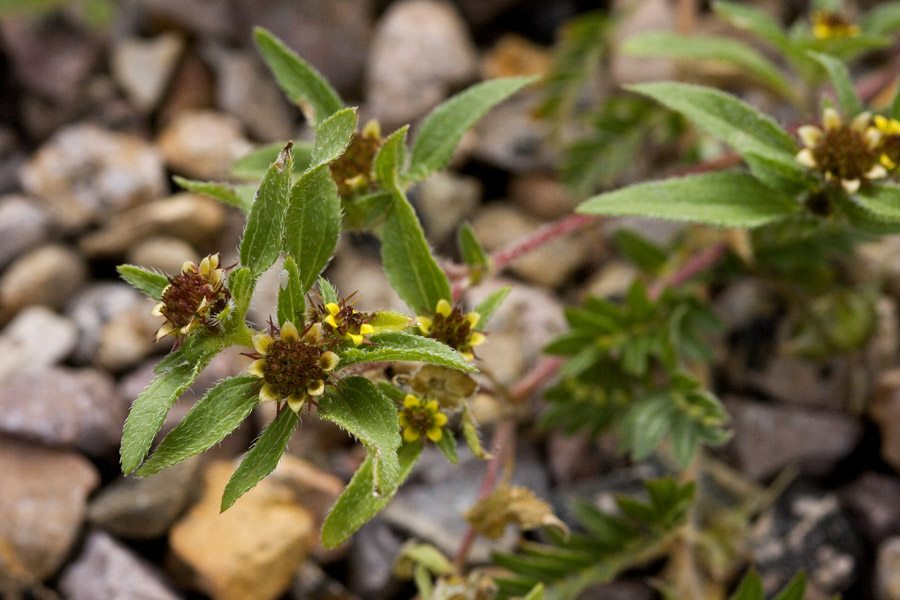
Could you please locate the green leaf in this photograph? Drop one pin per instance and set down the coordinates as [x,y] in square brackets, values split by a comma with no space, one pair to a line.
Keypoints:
[303,84]
[149,412]
[848,100]
[795,590]
[241,284]
[358,503]
[312,224]
[647,256]
[217,414]
[447,446]
[883,18]
[254,165]
[333,135]
[261,244]
[360,408]
[721,199]
[410,267]
[536,593]
[756,21]
[881,201]
[149,282]
[329,294]
[397,345]
[472,252]
[262,458]
[220,191]
[723,116]
[291,305]
[722,49]
[487,307]
[391,160]
[446,124]
[750,588]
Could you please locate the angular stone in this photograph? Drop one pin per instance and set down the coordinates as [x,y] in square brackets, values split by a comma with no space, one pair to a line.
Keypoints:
[47,276]
[251,550]
[86,174]
[421,50]
[107,569]
[510,138]
[191,217]
[23,224]
[34,340]
[140,509]
[770,437]
[143,67]
[43,503]
[68,408]
[203,144]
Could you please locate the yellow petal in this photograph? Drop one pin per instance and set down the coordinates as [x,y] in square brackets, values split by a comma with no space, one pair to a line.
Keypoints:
[313,334]
[256,368]
[468,356]
[333,308]
[157,310]
[440,419]
[330,320]
[810,135]
[872,137]
[316,388]
[289,333]
[443,308]
[366,329]
[476,338]
[296,402]
[876,172]
[805,157]
[432,406]
[473,318]
[188,267]
[401,418]
[410,434]
[267,393]
[411,401]
[329,360]
[851,186]
[204,267]
[213,261]
[424,324]
[435,434]
[831,119]
[165,330]
[372,130]
[356,339]
[262,342]
[861,121]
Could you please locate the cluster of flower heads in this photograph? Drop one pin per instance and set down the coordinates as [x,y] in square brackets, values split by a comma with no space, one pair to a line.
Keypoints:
[293,365]
[193,299]
[828,25]
[850,153]
[451,326]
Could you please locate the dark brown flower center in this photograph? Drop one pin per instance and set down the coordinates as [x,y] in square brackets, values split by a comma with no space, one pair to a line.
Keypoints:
[292,366]
[844,153]
[419,419]
[183,297]
[453,329]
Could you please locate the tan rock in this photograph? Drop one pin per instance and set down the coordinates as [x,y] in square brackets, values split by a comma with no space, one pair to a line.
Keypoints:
[515,55]
[47,276]
[251,550]
[203,144]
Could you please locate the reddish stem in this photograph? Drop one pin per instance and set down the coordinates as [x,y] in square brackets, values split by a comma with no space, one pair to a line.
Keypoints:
[698,263]
[547,233]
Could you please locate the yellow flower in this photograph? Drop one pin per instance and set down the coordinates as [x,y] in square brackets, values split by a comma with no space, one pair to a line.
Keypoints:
[417,420]
[346,321]
[827,25]
[292,366]
[890,141]
[193,298]
[846,153]
[450,326]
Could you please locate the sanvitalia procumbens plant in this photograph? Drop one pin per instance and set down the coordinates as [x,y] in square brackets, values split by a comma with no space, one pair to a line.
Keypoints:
[304,356]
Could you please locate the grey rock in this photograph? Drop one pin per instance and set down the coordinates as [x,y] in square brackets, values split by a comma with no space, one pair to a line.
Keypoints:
[331,35]
[58,406]
[653,15]
[116,327]
[23,224]
[768,437]
[48,276]
[540,195]
[797,380]
[143,68]
[312,583]
[206,17]
[355,269]
[34,340]
[872,499]
[421,50]
[203,144]
[246,89]
[509,136]
[372,560]
[86,174]
[444,200]
[162,253]
[43,503]
[809,532]
[191,217]
[887,570]
[740,303]
[107,569]
[145,508]
[885,412]
[612,280]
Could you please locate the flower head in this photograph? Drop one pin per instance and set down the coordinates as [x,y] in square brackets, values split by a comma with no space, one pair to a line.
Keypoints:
[828,25]
[847,153]
[449,325]
[342,321]
[193,298]
[292,365]
[890,141]
[352,172]
[417,419]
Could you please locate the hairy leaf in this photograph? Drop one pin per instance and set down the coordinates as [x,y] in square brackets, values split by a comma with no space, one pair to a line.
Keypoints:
[333,135]
[254,165]
[149,282]
[220,191]
[848,100]
[487,307]
[261,244]
[397,345]
[391,161]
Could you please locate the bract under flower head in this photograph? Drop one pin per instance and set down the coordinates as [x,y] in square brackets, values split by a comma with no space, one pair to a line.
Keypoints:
[847,153]
[193,298]
[417,419]
[293,366]
[451,326]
